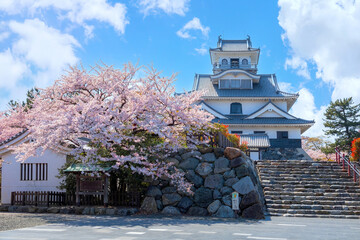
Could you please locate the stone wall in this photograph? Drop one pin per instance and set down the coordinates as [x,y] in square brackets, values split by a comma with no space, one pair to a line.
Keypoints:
[216,174]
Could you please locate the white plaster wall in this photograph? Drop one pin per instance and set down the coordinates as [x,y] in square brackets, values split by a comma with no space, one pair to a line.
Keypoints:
[10,181]
[248,107]
[294,133]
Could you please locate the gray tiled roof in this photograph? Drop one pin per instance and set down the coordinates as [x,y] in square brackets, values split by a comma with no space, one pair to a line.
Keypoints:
[13,137]
[266,87]
[240,119]
[256,140]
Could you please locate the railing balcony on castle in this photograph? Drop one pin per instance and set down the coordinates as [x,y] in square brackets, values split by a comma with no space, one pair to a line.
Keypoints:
[352,170]
[234,66]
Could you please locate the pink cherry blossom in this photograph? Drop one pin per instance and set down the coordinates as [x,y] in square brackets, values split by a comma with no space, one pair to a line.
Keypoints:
[118,111]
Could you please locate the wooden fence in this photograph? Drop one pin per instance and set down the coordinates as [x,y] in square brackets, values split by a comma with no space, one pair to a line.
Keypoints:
[38,198]
[126,199]
[223,142]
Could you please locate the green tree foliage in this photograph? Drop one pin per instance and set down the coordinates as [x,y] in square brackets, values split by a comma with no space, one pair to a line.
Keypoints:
[342,120]
[30,95]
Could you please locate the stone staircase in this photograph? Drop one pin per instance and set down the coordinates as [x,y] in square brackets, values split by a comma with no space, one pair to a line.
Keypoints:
[308,189]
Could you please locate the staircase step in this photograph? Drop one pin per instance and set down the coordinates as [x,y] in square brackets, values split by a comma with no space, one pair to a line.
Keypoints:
[314,202]
[307,188]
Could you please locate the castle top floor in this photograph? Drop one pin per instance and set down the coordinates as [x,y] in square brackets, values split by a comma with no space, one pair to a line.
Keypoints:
[234,54]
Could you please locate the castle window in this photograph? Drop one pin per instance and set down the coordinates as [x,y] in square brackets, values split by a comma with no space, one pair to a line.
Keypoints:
[244,62]
[224,62]
[235,84]
[245,84]
[234,62]
[236,108]
[282,134]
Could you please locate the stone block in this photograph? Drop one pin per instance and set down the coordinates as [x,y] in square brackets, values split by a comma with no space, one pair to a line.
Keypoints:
[219,152]
[194,178]
[197,211]
[244,186]
[170,199]
[215,181]
[237,162]
[214,206]
[189,163]
[149,205]
[225,212]
[203,197]
[204,169]
[242,171]
[232,153]
[184,204]
[154,191]
[229,174]
[170,210]
[221,165]
[253,212]
[208,157]
[192,154]
[249,199]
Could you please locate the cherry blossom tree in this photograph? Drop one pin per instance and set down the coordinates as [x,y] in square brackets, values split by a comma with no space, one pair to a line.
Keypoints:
[318,148]
[108,114]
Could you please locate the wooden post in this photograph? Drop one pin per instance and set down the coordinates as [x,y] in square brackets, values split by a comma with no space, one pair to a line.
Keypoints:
[36,198]
[77,201]
[106,192]
[343,162]
[23,198]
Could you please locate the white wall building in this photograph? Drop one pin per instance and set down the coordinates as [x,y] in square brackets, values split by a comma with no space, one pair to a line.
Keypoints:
[36,174]
[250,103]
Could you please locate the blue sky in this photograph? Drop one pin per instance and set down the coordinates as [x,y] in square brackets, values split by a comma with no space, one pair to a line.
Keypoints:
[299,41]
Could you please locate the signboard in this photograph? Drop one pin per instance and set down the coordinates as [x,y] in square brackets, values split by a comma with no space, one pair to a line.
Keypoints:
[91,185]
[235,201]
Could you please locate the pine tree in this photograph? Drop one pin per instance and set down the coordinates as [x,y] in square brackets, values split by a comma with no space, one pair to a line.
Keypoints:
[342,120]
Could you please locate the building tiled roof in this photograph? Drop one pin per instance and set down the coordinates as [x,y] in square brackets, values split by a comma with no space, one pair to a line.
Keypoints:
[267,87]
[240,119]
[13,137]
[256,140]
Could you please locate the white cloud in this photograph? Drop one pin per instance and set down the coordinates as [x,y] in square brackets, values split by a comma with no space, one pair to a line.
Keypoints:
[325,33]
[305,108]
[300,65]
[202,50]
[11,70]
[4,35]
[193,24]
[179,7]
[77,11]
[286,87]
[37,57]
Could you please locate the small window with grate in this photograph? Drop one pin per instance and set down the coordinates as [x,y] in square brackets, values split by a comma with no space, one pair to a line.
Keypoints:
[33,171]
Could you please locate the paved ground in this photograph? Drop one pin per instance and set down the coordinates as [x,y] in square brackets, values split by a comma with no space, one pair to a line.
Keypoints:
[132,228]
